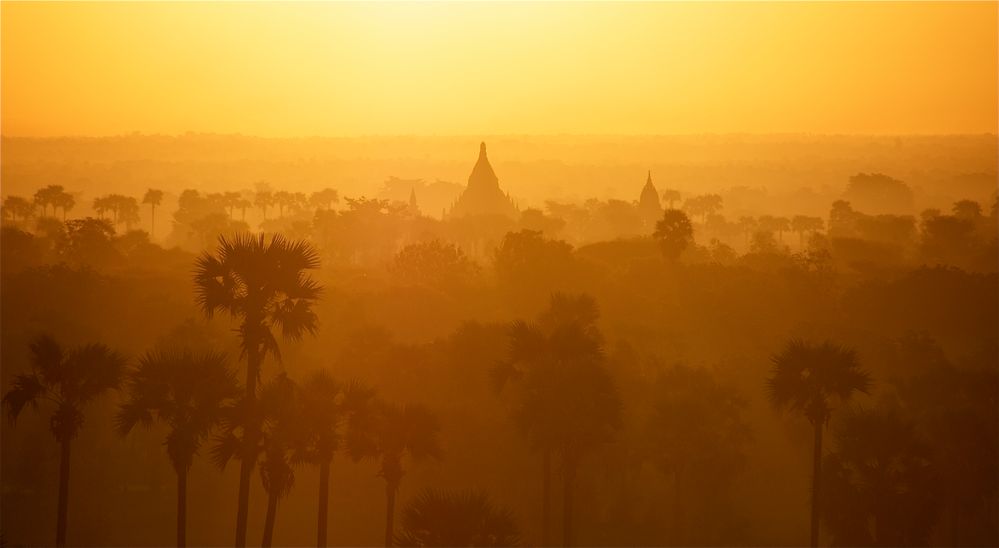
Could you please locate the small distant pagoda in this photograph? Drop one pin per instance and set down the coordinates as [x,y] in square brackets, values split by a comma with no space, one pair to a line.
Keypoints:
[649,206]
[483,195]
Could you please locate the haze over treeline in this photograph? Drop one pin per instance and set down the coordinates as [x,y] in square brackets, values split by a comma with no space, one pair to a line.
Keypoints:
[777,174]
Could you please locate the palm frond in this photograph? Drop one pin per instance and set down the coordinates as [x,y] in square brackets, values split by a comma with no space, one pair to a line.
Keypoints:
[25,390]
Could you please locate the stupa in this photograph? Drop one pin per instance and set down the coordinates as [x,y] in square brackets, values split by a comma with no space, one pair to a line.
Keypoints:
[649,206]
[483,195]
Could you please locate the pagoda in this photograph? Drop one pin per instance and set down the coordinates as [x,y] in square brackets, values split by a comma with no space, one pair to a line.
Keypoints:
[482,195]
[649,206]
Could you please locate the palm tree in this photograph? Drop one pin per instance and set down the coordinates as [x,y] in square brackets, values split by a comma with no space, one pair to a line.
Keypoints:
[265,284]
[328,409]
[69,381]
[527,348]
[186,392]
[806,379]
[448,518]
[324,198]
[701,456]
[882,485]
[153,197]
[674,233]
[264,426]
[573,401]
[390,434]
[263,199]
[16,206]
[568,403]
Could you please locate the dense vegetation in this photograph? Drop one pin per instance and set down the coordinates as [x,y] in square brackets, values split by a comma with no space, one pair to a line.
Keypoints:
[580,375]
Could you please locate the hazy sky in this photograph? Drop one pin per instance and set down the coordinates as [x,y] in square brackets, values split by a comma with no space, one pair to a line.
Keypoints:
[348,69]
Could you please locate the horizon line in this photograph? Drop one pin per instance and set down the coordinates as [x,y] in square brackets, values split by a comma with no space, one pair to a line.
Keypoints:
[993,133]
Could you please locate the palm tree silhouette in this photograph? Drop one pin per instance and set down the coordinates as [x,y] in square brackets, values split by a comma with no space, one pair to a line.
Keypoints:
[272,419]
[186,392]
[153,197]
[528,346]
[806,379]
[69,381]
[328,409]
[568,403]
[449,518]
[882,485]
[265,284]
[390,434]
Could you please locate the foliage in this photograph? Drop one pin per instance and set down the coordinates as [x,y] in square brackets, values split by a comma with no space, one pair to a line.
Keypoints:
[448,518]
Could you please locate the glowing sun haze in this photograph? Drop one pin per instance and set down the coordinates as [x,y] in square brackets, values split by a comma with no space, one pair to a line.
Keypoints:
[344,69]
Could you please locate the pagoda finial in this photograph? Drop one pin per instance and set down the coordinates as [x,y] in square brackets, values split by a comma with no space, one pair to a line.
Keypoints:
[482,149]
[649,180]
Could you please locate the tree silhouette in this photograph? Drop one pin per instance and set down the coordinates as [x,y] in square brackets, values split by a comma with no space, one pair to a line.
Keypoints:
[674,233]
[448,518]
[696,436]
[324,198]
[265,285]
[390,434]
[328,409]
[802,224]
[55,196]
[65,200]
[69,381]
[17,207]
[263,199]
[567,403]
[186,392]
[806,379]
[153,197]
[881,484]
[671,196]
[265,426]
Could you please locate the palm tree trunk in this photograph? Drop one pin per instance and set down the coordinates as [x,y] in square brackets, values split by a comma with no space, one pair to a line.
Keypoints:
[152,220]
[324,503]
[63,494]
[272,501]
[679,532]
[816,482]
[568,482]
[249,447]
[245,469]
[390,490]
[546,500]
[182,508]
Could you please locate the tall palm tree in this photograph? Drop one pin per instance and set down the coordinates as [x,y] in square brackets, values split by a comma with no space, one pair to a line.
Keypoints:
[449,518]
[265,285]
[882,485]
[528,349]
[186,392]
[567,402]
[328,409]
[390,434]
[271,421]
[808,379]
[571,401]
[69,380]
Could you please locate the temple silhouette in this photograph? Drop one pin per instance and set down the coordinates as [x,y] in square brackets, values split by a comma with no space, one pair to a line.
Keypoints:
[649,206]
[483,195]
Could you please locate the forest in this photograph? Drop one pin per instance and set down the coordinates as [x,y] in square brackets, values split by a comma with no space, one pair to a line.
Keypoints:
[287,364]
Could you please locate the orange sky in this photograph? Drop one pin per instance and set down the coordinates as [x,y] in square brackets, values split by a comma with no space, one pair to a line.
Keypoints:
[346,69]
